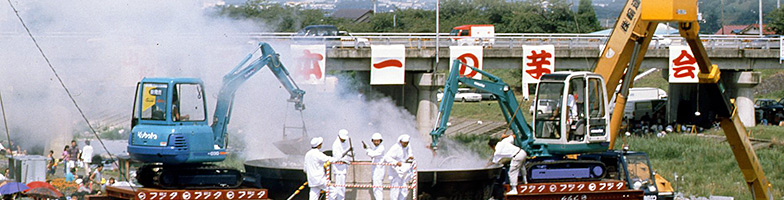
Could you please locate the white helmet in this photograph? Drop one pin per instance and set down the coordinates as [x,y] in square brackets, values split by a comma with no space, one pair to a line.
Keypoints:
[343,134]
[316,141]
[376,136]
[403,138]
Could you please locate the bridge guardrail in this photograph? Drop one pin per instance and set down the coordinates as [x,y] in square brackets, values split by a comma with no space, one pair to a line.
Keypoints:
[424,40]
[502,40]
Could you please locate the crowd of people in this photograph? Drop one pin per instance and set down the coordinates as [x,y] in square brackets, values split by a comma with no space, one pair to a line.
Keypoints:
[396,164]
[72,160]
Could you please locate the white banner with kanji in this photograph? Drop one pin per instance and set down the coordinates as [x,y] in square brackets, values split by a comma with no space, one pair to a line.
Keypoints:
[537,61]
[309,63]
[387,64]
[683,65]
[471,55]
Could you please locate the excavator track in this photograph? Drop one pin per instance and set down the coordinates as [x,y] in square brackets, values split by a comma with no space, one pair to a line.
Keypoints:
[565,171]
[188,176]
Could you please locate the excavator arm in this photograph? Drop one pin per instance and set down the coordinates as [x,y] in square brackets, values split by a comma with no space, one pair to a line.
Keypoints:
[625,50]
[737,135]
[506,100]
[241,73]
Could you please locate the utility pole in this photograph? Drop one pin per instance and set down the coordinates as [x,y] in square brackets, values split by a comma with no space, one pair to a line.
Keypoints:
[438,27]
[760,18]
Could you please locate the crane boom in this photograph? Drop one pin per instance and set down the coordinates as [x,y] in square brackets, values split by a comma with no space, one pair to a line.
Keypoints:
[617,55]
[737,135]
[237,76]
[633,30]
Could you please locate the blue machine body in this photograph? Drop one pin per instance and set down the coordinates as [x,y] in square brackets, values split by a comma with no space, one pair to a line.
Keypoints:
[548,163]
[169,123]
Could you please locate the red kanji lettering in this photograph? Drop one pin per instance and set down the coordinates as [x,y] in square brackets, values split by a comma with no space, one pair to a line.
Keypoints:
[537,60]
[463,58]
[309,65]
[681,71]
[388,63]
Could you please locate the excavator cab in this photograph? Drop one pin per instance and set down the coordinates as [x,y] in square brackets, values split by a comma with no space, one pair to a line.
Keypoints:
[571,109]
[168,117]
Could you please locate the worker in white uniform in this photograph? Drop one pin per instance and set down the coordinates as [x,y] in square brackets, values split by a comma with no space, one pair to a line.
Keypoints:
[314,168]
[504,150]
[571,104]
[399,174]
[341,150]
[376,153]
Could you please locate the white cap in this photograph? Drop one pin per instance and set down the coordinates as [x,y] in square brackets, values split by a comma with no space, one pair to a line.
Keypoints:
[343,134]
[316,141]
[403,138]
[79,181]
[376,136]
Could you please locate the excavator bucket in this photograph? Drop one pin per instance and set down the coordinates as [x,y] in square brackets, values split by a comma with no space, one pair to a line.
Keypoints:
[294,146]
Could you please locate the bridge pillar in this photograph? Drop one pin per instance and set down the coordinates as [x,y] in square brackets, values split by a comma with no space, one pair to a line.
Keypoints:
[744,102]
[427,108]
[686,99]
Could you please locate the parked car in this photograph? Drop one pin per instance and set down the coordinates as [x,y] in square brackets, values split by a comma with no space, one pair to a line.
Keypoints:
[770,110]
[464,95]
[485,95]
[330,33]
[546,106]
[318,30]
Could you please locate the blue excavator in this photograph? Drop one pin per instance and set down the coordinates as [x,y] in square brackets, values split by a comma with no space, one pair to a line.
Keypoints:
[170,133]
[569,140]
[558,132]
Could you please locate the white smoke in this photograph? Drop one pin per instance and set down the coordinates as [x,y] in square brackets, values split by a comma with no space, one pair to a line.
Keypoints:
[101,49]
[328,112]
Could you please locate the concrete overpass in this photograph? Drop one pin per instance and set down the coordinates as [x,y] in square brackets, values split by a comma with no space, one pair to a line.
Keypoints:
[423,59]
[737,57]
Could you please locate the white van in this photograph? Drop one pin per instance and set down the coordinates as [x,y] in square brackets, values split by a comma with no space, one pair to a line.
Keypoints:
[643,102]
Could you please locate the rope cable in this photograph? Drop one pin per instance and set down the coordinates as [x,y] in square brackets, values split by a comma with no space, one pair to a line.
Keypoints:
[67,91]
[8,135]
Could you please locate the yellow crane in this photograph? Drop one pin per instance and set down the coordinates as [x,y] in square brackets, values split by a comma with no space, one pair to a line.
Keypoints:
[625,50]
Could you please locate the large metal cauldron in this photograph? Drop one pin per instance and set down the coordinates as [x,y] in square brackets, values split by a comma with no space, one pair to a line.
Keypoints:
[282,176]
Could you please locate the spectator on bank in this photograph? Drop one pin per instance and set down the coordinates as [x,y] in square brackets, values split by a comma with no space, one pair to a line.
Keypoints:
[73,155]
[70,175]
[65,157]
[51,164]
[81,187]
[96,178]
[110,182]
[3,176]
[87,156]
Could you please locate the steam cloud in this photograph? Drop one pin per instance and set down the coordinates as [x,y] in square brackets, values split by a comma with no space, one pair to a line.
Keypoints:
[102,48]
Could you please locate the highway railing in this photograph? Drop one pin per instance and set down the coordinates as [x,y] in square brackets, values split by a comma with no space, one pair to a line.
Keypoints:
[428,40]
[507,40]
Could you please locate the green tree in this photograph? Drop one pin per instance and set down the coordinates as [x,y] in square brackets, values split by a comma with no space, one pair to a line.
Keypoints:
[586,17]
[532,16]
[776,21]
[276,17]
